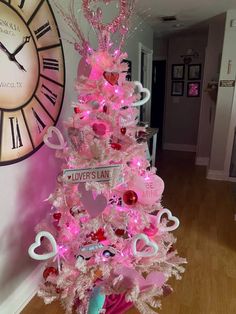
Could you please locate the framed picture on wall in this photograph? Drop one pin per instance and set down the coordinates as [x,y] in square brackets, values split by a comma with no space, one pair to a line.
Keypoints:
[194,72]
[177,72]
[177,88]
[193,89]
[129,72]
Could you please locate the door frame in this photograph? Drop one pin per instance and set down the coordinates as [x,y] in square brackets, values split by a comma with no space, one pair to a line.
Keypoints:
[230,140]
[149,53]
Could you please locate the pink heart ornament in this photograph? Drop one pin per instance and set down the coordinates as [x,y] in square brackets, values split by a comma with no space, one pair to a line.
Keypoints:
[94,204]
[52,131]
[154,278]
[148,243]
[37,243]
[170,218]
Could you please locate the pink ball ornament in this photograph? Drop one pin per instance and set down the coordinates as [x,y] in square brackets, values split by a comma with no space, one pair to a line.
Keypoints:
[148,188]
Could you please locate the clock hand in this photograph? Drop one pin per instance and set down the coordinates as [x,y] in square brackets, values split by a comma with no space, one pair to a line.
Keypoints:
[26,39]
[5,49]
[11,56]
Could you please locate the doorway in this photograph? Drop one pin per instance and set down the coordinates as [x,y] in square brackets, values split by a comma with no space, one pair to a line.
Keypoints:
[145,77]
[158,98]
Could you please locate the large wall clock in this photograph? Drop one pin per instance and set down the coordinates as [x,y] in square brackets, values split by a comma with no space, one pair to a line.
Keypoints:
[32,76]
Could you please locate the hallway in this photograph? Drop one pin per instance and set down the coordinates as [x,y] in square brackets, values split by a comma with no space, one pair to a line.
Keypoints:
[206,237]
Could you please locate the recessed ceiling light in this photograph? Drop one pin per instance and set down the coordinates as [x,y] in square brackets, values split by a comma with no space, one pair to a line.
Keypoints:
[178,25]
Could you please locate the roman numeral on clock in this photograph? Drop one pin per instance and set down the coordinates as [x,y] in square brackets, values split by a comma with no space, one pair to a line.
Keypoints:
[42,30]
[51,64]
[49,94]
[21,5]
[41,125]
[15,133]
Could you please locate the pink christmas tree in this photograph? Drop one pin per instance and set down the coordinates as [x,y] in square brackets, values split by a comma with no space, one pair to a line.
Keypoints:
[108,236]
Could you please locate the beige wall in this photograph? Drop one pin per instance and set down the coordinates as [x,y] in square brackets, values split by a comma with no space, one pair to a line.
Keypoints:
[211,72]
[225,99]
[24,186]
[182,113]
[160,47]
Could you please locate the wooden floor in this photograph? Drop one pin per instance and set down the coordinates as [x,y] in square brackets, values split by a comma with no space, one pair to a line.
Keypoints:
[207,237]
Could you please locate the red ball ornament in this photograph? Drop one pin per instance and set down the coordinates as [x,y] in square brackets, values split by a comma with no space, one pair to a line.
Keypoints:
[120,232]
[104,109]
[116,146]
[123,131]
[130,197]
[57,216]
[76,110]
[49,271]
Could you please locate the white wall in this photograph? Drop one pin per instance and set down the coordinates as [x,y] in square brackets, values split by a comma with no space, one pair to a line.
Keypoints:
[224,102]
[25,185]
[211,72]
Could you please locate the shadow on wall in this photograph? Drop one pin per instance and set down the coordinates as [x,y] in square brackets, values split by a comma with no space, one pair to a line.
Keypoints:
[39,181]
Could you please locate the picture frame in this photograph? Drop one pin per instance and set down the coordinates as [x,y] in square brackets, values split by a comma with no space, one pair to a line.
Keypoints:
[194,72]
[193,89]
[177,88]
[129,72]
[178,71]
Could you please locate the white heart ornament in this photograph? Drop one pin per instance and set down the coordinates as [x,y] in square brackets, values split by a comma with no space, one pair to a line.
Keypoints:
[141,89]
[148,242]
[52,130]
[170,218]
[37,243]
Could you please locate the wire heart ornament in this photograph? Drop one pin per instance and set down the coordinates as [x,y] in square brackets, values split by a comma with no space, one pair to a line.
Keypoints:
[141,89]
[52,131]
[170,218]
[144,252]
[38,242]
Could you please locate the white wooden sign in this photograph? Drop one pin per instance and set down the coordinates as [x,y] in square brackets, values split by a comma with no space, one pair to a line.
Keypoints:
[111,173]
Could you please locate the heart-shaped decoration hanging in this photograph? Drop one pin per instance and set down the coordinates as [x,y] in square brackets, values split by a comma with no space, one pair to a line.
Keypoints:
[141,89]
[148,250]
[94,204]
[37,243]
[111,77]
[170,218]
[53,132]
[95,17]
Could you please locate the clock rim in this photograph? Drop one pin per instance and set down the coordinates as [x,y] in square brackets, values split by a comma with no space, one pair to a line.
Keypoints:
[35,46]
[34,150]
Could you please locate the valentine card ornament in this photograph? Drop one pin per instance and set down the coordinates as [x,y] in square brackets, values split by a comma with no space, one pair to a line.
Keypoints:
[52,131]
[148,250]
[172,218]
[37,243]
[141,89]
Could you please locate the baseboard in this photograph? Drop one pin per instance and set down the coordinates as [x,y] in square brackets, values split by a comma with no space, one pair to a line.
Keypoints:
[231,179]
[20,297]
[202,161]
[217,175]
[179,147]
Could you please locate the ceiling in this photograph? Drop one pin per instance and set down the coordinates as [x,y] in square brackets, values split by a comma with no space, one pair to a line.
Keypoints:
[187,12]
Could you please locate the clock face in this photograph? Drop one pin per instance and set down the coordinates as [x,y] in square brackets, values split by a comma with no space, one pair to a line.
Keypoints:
[32,76]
